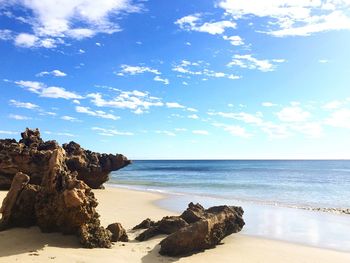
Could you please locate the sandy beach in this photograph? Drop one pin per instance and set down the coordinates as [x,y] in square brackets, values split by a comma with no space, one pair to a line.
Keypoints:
[129,208]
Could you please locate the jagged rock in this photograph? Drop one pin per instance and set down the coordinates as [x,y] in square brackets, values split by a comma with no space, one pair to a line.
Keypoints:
[218,223]
[31,156]
[167,225]
[118,232]
[193,213]
[9,203]
[147,223]
[93,168]
[62,203]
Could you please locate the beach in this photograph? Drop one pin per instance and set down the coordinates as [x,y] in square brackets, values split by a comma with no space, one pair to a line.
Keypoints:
[129,208]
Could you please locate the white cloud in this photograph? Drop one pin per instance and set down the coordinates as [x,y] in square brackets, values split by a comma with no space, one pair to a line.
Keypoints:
[26,105]
[26,40]
[64,134]
[268,104]
[55,73]
[241,116]
[174,105]
[292,18]
[192,23]
[200,69]
[111,132]
[69,118]
[339,118]
[48,92]
[332,105]
[19,117]
[169,133]
[234,130]
[323,61]
[70,19]
[82,51]
[98,113]
[5,34]
[200,132]
[293,114]
[192,109]
[249,62]
[135,100]
[133,70]
[234,40]
[311,129]
[8,132]
[98,44]
[193,116]
[164,80]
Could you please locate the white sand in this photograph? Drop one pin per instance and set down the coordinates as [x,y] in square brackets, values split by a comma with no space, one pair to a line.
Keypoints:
[131,207]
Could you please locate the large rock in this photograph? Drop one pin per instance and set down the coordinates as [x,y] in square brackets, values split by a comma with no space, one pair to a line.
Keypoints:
[118,232]
[167,225]
[31,156]
[62,203]
[218,222]
[93,168]
[18,206]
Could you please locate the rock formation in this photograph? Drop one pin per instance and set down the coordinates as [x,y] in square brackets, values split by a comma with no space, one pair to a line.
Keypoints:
[167,225]
[118,233]
[31,156]
[62,203]
[196,229]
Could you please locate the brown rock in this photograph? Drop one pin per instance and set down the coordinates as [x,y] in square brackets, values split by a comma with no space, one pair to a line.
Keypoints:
[62,203]
[93,168]
[167,225]
[218,223]
[118,232]
[193,213]
[147,223]
[31,156]
[9,203]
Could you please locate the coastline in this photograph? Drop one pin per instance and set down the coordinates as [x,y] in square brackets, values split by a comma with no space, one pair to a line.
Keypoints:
[308,227]
[130,207]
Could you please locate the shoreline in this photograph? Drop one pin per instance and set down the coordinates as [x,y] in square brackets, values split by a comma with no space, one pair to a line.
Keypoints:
[307,227]
[130,207]
[331,210]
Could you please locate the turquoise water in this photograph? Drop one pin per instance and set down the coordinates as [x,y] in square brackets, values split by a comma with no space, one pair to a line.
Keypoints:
[265,189]
[290,183]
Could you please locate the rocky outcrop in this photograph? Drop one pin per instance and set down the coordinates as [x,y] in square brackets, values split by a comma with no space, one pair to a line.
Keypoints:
[93,168]
[218,223]
[167,225]
[118,232]
[31,156]
[62,203]
[196,229]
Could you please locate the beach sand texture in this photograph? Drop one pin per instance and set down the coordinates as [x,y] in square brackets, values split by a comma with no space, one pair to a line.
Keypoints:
[129,208]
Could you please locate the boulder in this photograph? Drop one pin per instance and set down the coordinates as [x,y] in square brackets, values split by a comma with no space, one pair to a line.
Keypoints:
[118,232]
[31,156]
[147,223]
[218,223]
[61,203]
[167,225]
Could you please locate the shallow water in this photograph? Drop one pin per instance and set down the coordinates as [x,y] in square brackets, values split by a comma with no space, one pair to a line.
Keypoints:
[289,183]
[265,189]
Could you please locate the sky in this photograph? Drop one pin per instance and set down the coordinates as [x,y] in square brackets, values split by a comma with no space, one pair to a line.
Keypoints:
[185,79]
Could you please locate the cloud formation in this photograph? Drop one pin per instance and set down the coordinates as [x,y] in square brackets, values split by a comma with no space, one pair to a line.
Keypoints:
[52,23]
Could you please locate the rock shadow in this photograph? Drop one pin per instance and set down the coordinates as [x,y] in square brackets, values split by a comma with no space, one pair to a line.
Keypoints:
[16,241]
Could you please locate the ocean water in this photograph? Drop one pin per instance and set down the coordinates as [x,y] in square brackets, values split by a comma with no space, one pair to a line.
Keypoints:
[270,193]
[323,184]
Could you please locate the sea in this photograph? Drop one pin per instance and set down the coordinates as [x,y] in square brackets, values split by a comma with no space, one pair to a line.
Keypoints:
[279,196]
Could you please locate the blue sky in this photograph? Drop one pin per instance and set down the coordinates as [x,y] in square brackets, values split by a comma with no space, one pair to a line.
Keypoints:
[179,79]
